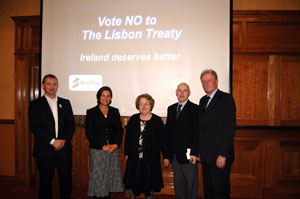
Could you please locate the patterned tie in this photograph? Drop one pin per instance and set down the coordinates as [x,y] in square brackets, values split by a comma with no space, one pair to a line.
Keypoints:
[178,110]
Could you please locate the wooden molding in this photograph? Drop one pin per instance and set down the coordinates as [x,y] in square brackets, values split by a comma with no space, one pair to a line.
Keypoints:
[5,121]
[266,31]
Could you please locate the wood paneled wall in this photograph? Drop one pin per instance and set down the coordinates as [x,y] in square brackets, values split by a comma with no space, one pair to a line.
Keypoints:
[6,132]
[266,54]
[266,70]
[267,164]
[266,31]
[27,73]
[270,82]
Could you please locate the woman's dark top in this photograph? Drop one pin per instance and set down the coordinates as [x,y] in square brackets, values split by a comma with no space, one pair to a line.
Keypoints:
[101,130]
[143,175]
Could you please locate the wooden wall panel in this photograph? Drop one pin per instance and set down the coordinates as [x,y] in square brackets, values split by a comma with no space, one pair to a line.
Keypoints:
[83,151]
[76,156]
[266,51]
[289,163]
[250,84]
[290,90]
[21,132]
[267,31]
[7,148]
[270,40]
[282,178]
[237,35]
[272,84]
[271,36]
[26,84]
[27,34]
[24,165]
[273,90]
[247,175]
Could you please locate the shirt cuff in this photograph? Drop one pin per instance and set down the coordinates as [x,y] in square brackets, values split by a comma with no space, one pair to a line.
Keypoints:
[52,141]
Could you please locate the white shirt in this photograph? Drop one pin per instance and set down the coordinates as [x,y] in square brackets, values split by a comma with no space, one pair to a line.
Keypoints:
[183,104]
[53,106]
[211,96]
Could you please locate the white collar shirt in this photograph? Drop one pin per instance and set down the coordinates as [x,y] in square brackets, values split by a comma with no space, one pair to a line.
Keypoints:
[183,104]
[211,96]
[53,106]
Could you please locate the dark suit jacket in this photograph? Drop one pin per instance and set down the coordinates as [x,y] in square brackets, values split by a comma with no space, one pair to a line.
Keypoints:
[99,129]
[217,124]
[42,125]
[181,131]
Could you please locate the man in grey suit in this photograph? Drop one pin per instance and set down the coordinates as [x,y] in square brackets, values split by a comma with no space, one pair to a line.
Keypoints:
[52,123]
[181,130]
[214,144]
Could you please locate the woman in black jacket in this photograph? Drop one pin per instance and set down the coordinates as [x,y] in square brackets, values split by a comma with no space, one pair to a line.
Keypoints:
[145,139]
[104,131]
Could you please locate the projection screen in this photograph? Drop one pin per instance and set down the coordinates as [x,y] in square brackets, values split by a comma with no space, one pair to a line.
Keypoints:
[134,47]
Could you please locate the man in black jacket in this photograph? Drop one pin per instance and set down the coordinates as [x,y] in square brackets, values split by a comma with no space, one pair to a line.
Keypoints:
[51,121]
[217,123]
[181,129]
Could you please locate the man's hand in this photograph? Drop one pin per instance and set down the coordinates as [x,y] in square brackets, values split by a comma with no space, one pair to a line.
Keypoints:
[106,148]
[58,144]
[166,162]
[193,159]
[113,147]
[221,162]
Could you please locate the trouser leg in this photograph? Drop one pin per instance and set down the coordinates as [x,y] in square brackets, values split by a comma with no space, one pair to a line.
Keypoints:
[179,180]
[190,172]
[64,169]
[216,181]
[46,169]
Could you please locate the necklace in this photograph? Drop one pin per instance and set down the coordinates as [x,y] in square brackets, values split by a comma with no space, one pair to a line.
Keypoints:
[103,109]
[146,117]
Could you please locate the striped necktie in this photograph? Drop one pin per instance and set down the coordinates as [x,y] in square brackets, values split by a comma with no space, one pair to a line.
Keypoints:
[178,110]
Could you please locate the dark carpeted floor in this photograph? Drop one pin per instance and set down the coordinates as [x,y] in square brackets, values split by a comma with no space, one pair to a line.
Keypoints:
[16,192]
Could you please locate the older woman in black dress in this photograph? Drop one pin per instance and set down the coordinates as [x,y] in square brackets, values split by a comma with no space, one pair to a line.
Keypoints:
[104,131]
[145,139]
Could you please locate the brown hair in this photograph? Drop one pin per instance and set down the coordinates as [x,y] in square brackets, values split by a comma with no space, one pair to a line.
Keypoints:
[147,97]
[99,93]
[49,76]
[211,71]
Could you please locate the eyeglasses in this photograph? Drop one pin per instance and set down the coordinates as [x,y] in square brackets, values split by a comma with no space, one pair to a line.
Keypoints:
[145,104]
[182,91]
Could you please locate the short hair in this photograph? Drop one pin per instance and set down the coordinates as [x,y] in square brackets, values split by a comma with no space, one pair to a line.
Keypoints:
[99,93]
[183,83]
[147,97]
[49,76]
[211,71]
